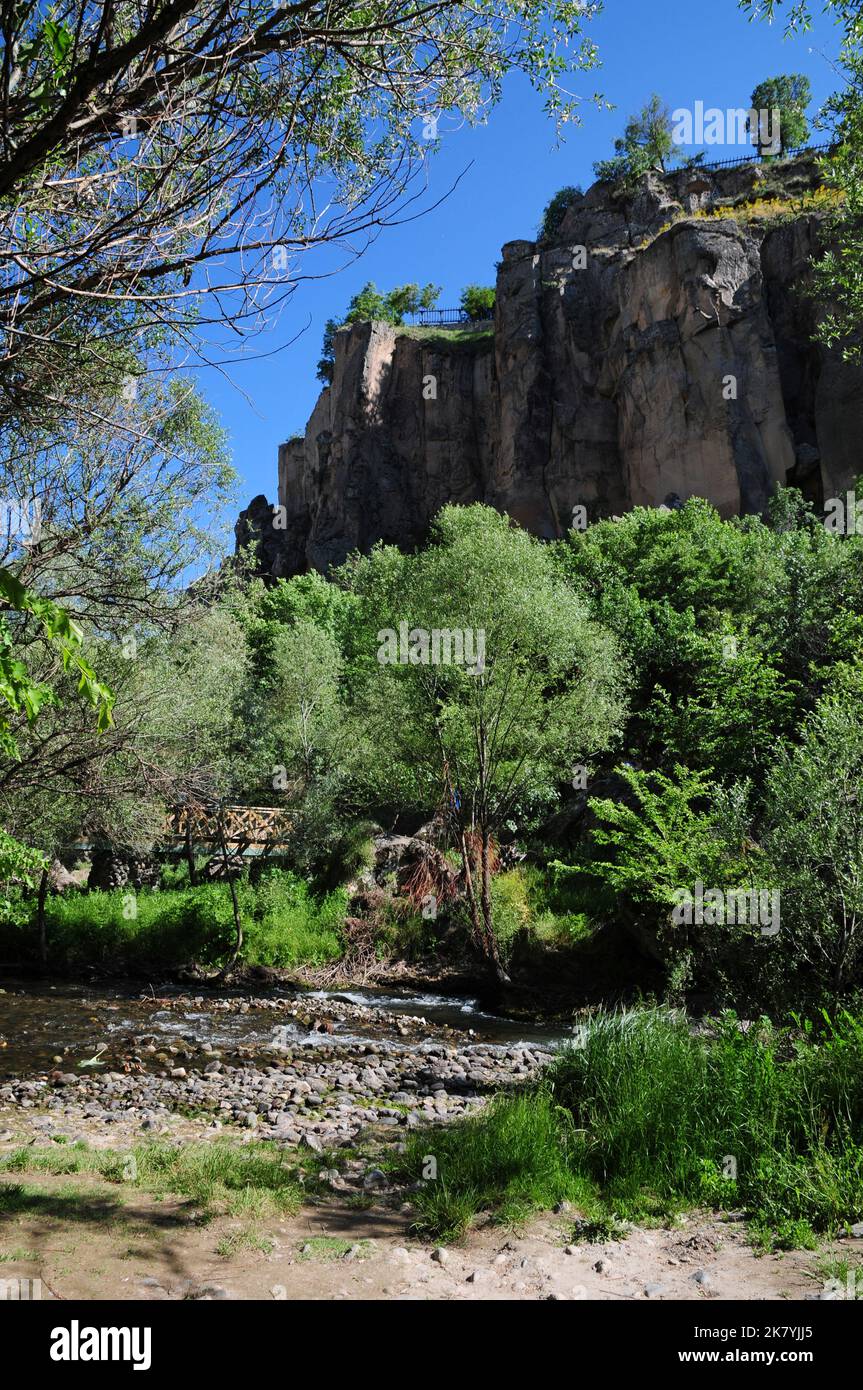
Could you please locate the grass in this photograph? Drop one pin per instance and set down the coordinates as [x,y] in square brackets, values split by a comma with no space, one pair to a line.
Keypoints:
[333,1248]
[647,1118]
[238,1241]
[771,207]
[511,1160]
[285,925]
[448,337]
[217,1178]
[845,1276]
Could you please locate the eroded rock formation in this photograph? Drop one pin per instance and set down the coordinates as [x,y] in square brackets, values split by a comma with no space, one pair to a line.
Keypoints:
[661,347]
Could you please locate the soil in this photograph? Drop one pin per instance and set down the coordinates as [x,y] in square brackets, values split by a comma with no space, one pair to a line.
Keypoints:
[142,1249]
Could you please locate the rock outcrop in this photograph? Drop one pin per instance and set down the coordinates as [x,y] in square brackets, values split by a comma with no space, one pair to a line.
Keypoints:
[659,348]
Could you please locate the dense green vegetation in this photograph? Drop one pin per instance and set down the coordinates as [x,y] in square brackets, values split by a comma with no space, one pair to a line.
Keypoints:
[285,925]
[656,716]
[645,1118]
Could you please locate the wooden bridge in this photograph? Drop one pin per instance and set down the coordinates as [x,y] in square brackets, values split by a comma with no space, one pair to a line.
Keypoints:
[248,829]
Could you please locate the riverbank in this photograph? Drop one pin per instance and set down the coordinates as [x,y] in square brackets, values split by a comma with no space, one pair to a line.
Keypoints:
[83,1241]
[324,1141]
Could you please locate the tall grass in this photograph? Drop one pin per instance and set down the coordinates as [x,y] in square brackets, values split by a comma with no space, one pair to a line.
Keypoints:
[514,1157]
[655,1117]
[285,924]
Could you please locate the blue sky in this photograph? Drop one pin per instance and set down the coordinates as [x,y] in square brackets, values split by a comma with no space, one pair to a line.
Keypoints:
[686,50]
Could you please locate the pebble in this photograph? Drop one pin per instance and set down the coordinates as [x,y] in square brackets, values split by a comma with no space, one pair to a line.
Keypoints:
[321,1094]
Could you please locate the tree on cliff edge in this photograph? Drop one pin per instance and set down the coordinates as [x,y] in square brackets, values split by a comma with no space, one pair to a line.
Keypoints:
[646,145]
[790,95]
[367,306]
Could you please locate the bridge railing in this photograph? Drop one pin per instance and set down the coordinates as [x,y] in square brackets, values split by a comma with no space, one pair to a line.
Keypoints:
[244,825]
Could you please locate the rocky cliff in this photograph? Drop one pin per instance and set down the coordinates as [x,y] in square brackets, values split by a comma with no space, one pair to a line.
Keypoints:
[660,348]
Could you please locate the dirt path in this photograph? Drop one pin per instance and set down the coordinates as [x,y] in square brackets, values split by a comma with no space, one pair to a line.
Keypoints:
[83,1241]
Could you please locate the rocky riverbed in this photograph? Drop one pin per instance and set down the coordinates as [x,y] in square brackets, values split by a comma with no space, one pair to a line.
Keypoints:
[326,1072]
[314,1070]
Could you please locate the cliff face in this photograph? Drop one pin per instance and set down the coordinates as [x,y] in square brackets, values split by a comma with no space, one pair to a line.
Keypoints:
[661,348]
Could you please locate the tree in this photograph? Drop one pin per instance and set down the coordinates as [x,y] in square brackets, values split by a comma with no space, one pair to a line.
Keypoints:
[165,167]
[25,696]
[556,209]
[111,515]
[790,95]
[477,302]
[307,738]
[838,273]
[646,145]
[490,736]
[814,838]
[107,531]
[729,627]
[369,305]
[18,690]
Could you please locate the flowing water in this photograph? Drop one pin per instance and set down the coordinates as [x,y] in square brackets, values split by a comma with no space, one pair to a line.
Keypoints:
[40,1021]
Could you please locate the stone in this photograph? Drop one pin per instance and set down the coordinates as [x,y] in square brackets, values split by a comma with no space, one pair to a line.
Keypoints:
[604,384]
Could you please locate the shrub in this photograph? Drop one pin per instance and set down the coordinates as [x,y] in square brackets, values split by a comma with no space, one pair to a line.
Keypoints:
[557,209]
[477,301]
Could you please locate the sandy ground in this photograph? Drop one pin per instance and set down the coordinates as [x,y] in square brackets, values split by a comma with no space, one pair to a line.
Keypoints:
[131,1246]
